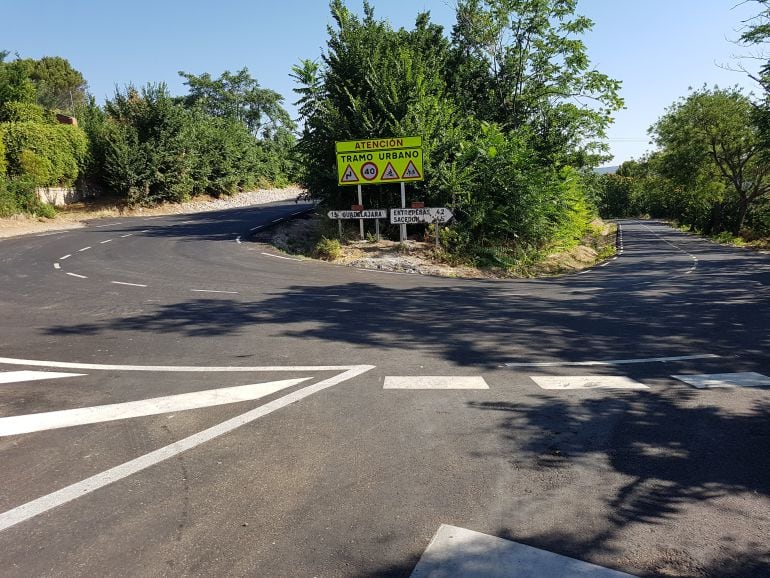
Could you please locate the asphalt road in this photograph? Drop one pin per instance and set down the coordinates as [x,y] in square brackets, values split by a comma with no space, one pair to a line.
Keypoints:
[324,471]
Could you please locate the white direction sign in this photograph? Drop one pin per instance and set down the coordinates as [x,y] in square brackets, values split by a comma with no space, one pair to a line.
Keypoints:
[368,214]
[424,215]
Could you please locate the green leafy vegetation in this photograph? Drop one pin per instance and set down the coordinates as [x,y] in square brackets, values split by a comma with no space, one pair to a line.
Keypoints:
[145,146]
[497,104]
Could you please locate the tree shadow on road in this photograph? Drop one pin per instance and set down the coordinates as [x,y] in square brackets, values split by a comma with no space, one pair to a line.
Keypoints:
[674,452]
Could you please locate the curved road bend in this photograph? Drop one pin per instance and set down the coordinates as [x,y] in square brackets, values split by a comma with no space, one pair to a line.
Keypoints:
[361,436]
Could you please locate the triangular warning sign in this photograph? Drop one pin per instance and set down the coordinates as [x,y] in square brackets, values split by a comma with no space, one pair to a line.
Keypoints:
[411,172]
[389,174]
[349,176]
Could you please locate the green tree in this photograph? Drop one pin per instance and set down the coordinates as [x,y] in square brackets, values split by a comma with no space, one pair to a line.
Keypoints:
[710,143]
[523,63]
[59,86]
[238,96]
[15,82]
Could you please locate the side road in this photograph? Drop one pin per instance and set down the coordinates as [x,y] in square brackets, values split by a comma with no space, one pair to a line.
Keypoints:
[73,219]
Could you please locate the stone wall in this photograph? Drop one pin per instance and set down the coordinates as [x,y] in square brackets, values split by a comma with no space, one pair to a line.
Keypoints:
[59,196]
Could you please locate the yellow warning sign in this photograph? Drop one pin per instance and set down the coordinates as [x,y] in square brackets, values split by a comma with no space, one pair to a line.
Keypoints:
[379,161]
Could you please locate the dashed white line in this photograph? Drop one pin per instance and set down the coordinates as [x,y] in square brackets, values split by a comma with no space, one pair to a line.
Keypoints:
[56,266]
[84,249]
[128,235]
[76,275]
[107,241]
[128,284]
[108,225]
[256,228]
[213,291]
[276,220]
[65,257]
[238,239]
[604,264]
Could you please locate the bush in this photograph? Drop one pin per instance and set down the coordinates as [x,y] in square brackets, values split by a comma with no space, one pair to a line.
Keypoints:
[328,249]
[25,112]
[54,152]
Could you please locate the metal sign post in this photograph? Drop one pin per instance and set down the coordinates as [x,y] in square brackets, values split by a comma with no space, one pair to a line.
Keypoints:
[402,228]
[360,221]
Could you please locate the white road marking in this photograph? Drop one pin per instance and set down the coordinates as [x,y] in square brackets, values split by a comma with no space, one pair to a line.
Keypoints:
[76,275]
[56,266]
[612,361]
[586,382]
[238,239]
[434,382]
[152,218]
[109,225]
[65,257]
[128,284]
[281,257]
[21,424]
[731,380]
[256,228]
[174,368]
[128,235]
[213,291]
[105,242]
[19,376]
[459,553]
[604,264]
[297,213]
[276,220]
[79,489]
[83,249]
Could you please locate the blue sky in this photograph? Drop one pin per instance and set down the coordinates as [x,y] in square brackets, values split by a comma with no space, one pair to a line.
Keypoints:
[658,48]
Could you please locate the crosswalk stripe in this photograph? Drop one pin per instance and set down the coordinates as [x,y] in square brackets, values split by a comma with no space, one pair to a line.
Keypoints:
[711,380]
[561,382]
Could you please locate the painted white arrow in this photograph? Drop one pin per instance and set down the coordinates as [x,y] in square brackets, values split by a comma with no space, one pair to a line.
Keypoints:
[34,422]
[18,376]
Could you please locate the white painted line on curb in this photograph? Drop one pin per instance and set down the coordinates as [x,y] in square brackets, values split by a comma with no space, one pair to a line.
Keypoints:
[105,242]
[586,382]
[730,380]
[459,553]
[434,382]
[56,266]
[83,249]
[65,257]
[213,291]
[21,424]
[127,284]
[26,375]
[76,275]
[79,489]
[281,257]
[612,361]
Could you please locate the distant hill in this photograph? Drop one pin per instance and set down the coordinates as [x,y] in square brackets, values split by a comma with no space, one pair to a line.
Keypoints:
[607,170]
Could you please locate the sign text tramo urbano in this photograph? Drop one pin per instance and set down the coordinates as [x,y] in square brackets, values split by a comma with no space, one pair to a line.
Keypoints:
[379,161]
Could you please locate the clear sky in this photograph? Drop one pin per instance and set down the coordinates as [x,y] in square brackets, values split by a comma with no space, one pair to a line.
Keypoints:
[658,48]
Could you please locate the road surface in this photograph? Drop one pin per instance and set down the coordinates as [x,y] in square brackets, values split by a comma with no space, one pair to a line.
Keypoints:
[176,400]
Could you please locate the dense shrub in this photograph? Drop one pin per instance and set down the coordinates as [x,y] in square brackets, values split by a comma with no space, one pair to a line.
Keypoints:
[55,152]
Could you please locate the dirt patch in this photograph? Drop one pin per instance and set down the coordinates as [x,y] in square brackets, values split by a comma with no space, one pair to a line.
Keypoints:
[300,236]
